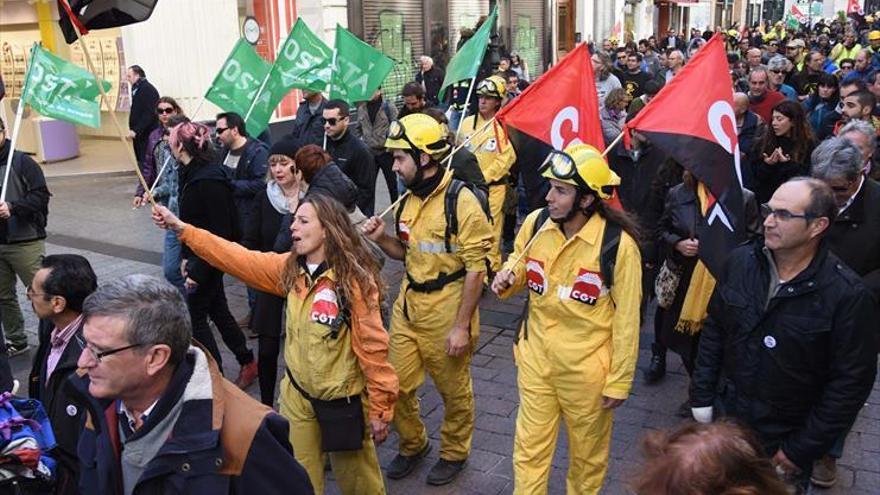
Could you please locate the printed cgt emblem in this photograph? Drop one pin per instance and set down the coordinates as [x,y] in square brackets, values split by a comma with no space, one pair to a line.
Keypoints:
[325,306]
[587,287]
[535,278]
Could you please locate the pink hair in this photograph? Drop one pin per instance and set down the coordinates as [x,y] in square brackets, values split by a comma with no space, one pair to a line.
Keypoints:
[194,137]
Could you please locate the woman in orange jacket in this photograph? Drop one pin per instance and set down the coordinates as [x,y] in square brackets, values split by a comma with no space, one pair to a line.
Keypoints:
[336,349]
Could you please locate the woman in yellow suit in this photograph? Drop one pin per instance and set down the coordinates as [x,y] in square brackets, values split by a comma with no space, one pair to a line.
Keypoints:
[336,349]
[495,160]
[576,350]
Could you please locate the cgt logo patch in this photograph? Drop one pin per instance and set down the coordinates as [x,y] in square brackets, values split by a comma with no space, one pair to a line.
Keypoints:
[587,287]
[535,278]
[403,231]
[325,305]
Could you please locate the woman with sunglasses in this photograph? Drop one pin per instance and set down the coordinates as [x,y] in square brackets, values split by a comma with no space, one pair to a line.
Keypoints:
[166,108]
[336,349]
[577,348]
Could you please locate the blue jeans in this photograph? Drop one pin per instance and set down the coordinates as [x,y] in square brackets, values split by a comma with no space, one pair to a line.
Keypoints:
[454,117]
[171,261]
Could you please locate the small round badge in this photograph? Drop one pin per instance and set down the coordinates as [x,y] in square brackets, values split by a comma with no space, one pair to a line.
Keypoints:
[71,410]
[769,342]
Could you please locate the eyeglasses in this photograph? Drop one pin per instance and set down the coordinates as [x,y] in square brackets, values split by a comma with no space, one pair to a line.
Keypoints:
[30,292]
[333,120]
[846,67]
[778,71]
[220,130]
[166,110]
[783,215]
[99,355]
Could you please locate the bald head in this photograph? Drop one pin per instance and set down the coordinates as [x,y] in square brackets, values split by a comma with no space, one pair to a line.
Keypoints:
[740,103]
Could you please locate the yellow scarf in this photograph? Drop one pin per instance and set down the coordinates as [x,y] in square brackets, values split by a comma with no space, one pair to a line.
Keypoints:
[700,288]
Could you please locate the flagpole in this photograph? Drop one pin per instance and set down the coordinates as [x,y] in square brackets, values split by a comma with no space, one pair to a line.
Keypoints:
[467,105]
[198,107]
[613,144]
[265,81]
[12,141]
[447,164]
[330,87]
[106,99]
[159,176]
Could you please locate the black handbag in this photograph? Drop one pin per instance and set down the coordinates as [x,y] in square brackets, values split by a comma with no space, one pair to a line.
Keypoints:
[341,420]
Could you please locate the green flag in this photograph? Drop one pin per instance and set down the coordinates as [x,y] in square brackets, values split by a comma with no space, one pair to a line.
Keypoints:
[236,85]
[466,63]
[62,90]
[303,62]
[359,69]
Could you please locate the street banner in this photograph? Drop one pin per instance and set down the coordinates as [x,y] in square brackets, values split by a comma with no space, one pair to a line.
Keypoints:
[237,84]
[705,143]
[303,62]
[358,69]
[559,109]
[465,64]
[59,89]
[100,14]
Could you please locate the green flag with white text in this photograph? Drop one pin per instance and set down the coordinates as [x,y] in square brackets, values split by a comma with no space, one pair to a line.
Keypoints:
[466,63]
[59,89]
[359,70]
[236,85]
[303,62]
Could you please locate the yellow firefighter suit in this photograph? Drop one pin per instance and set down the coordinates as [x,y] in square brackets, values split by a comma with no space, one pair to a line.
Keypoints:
[495,164]
[579,343]
[353,363]
[421,321]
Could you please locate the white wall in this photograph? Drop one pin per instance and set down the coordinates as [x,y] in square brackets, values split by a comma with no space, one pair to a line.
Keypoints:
[182,45]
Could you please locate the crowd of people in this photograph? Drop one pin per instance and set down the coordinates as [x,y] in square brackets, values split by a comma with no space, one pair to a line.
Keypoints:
[780,348]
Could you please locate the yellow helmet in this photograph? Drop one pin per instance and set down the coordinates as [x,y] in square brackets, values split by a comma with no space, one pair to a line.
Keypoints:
[492,86]
[581,165]
[418,132]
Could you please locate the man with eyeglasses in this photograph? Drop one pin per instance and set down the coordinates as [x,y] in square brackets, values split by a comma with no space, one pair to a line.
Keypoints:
[846,66]
[351,154]
[778,68]
[854,236]
[56,294]
[787,324]
[23,219]
[160,417]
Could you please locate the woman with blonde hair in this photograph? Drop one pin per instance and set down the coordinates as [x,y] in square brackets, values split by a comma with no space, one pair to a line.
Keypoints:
[336,349]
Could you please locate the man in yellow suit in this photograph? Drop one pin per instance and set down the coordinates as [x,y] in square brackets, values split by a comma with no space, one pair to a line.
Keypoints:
[577,348]
[494,153]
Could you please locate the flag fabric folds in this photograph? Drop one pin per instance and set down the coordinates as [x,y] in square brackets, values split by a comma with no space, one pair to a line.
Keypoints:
[358,69]
[101,14]
[237,84]
[466,62]
[705,144]
[558,109]
[59,89]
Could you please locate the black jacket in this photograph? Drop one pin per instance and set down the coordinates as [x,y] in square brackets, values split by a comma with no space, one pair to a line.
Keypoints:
[206,202]
[796,369]
[751,129]
[308,127]
[28,198]
[855,235]
[354,158]
[432,80]
[248,178]
[65,408]
[142,118]
[769,177]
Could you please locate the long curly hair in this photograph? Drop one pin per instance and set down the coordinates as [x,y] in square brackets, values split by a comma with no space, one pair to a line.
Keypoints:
[801,135]
[347,252]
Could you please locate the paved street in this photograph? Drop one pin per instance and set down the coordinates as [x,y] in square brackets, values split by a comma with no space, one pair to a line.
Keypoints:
[92,216]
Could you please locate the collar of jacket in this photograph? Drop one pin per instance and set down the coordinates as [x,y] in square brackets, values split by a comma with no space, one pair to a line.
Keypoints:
[589,233]
[803,282]
[855,213]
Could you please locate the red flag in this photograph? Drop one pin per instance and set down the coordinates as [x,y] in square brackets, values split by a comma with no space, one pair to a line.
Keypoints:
[101,14]
[561,107]
[855,7]
[692,120]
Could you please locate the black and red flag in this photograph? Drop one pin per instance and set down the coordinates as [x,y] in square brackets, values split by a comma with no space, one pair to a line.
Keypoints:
[101,14]
[692,120]
[558,109]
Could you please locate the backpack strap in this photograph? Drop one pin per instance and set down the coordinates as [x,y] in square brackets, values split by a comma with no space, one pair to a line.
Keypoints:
[608,253]
[450,211]
[540,221]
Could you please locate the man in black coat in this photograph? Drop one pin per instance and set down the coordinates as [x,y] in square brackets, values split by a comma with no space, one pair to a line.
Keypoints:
[350,154]
[431,78]
[787,324]
[142,117]
[57,293]
[308,127]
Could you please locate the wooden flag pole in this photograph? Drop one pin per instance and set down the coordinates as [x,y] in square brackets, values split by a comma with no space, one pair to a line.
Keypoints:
[106,100]
[613,143]
[198,107]
[467,105]
[447,164]
[13,139]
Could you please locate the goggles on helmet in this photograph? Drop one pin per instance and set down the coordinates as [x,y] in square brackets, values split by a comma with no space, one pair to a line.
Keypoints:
[488,87]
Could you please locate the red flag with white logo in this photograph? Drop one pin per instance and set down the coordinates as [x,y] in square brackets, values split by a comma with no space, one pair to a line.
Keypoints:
[855,7]
[692,120]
